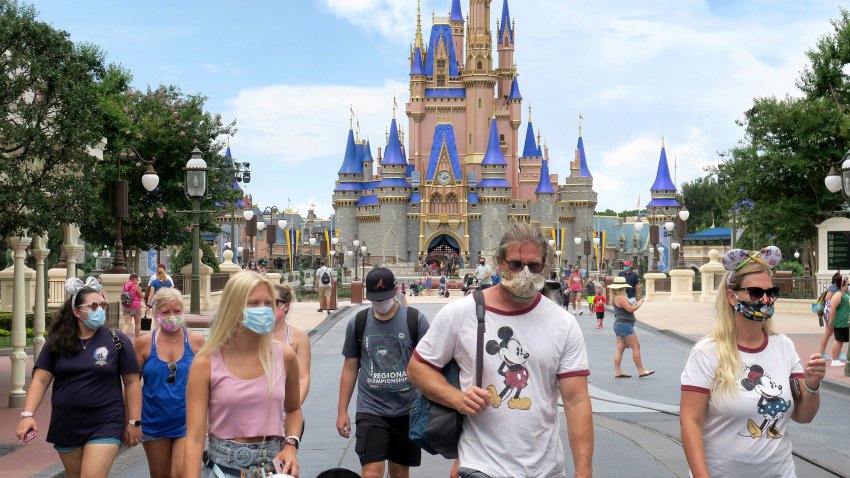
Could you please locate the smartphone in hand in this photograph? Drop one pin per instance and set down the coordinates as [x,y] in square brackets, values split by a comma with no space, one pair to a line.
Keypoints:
[30,435]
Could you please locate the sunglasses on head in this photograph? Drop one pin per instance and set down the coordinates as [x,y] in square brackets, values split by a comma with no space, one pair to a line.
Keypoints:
[757,293]
[172,372]
[95,305]
[516,266]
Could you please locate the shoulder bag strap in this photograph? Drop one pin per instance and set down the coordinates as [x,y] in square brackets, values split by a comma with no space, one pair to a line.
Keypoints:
[479,348]
[360,326]
[413,325]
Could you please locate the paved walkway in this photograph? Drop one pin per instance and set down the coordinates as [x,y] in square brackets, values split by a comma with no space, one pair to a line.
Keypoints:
[683,321]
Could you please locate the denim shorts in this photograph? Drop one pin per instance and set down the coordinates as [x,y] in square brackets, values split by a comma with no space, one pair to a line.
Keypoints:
[624,329]
[232,455]
[93,441]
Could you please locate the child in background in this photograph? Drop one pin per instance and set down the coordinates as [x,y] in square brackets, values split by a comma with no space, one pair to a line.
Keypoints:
[599,307]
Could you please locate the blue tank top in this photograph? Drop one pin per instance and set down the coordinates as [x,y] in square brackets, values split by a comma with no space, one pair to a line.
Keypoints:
[163,403]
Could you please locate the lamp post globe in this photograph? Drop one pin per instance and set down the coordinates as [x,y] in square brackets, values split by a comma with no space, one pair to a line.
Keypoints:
[282,223]
[796,254]
[356,243]
[833,180]
[196,188]
[248,214]
[577,240]
[669,225]
[845,173]
[261,225]
[638,225]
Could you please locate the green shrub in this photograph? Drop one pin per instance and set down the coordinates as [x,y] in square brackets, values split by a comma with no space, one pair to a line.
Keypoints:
[184,257]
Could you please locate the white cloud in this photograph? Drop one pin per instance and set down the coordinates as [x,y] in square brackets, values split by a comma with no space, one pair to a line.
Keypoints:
[394,19]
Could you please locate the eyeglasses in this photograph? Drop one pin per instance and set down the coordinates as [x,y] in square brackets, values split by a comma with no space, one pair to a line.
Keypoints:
[756,293]
[517,266]
[279,303]
[172,372]
[95,305]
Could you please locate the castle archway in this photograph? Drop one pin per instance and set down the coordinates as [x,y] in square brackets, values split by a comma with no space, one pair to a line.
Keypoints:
[443,254]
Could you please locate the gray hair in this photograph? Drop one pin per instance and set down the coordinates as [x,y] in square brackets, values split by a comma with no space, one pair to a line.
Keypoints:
[522,233]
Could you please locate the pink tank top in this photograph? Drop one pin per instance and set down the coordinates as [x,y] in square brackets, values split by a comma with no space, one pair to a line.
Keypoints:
[243,408]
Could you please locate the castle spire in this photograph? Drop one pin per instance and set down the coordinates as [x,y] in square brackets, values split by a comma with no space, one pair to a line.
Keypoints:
[584,171]
[418,43]
[505,25]
[515,94]
[349,162]
[393,153]
[457,14]
[529,150]
[662,176]
[545,184]
[494,155]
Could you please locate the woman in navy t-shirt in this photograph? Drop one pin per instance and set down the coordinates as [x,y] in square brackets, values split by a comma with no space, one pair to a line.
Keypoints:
[87,365]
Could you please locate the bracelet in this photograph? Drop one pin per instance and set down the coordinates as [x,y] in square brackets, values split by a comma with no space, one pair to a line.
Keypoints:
[292,440]
[811,390]
[26,414]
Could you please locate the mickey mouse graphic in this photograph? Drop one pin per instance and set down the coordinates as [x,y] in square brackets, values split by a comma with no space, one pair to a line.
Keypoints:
[512,368]
[771,405]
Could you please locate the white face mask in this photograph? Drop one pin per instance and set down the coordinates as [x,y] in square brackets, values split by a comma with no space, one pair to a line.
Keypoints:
[523,285]
[383,306]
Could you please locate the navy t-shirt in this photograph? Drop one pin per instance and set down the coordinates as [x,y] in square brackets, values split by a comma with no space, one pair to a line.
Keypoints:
[87,396]
[632,280]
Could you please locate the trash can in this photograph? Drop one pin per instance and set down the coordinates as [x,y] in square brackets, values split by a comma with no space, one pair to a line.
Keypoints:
[332,302]
[356,292]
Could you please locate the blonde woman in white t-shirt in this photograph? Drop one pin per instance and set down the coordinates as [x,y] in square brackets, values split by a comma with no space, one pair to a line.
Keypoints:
[742,382]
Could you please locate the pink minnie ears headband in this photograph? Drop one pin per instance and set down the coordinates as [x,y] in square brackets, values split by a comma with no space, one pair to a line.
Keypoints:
[733,260]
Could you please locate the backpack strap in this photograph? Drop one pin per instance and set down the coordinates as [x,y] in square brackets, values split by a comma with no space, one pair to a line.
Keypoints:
[479,348]
[360,326]
[413,325]
[116,340]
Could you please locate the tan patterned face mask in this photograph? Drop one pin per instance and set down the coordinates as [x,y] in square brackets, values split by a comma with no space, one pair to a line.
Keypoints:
[524,284]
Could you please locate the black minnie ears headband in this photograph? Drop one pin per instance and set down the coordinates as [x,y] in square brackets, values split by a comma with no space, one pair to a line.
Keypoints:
[733,260]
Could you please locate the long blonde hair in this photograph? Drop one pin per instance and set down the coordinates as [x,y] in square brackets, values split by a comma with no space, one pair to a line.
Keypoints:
[166,295]
[234,299]
[725,333]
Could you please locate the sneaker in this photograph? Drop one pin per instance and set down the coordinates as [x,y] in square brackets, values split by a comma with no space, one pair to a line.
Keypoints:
[581,312]
[826,357]
[837,363]
[842,356]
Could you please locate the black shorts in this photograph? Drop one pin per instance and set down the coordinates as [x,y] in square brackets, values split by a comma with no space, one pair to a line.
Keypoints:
[841,334]
[600,315]
[385,438]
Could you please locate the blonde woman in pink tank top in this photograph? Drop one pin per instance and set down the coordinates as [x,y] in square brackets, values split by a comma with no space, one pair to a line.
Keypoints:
[238,384]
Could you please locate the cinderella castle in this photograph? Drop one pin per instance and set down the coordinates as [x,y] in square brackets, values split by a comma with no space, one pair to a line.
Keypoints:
[461,180]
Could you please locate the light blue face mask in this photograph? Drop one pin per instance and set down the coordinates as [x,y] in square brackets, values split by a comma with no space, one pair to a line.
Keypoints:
[259,320]
[95,319]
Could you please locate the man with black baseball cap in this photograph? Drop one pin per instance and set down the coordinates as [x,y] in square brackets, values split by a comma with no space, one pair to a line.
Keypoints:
[379,342]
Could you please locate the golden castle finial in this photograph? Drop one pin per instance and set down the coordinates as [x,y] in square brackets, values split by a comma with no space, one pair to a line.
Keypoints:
[387,135]
[358,130]
[419,24]
[494,108]
[662,135]
[351,120]
[395,105]
[529,113]
[539,134]
[580,124]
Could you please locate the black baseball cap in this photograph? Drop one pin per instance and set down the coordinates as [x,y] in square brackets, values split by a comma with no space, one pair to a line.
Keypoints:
[380,284]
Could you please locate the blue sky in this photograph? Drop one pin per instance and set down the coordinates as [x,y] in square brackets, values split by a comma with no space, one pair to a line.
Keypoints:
[288,70]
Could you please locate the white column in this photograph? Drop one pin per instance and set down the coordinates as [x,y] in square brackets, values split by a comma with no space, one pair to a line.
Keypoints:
[72,249]
[19,332]
[39,251]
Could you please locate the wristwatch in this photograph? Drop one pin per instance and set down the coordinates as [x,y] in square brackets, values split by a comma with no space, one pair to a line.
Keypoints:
[292,440]
[135,423]
[26,415]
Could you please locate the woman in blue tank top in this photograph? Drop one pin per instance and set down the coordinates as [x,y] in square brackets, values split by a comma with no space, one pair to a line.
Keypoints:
[165,357]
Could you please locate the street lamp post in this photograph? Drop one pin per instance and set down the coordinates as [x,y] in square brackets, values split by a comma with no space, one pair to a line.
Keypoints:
[356,244]
[334,242]
[669,226]
[551,247]
[363,261]
[118,204]
[312,242]
[241,174]
[682,231]
[250,230]
[196,188]
[271,234]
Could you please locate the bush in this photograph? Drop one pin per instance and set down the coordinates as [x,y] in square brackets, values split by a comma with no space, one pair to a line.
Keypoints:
[6,320]
[795,267]
[184,257]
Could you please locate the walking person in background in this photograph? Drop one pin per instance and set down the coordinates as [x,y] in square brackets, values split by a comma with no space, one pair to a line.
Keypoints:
[590,292]
[624,329]
[241,380]
[427,283]
[839,313]
[827,326]
[165,356]
[443,283]
[131,306]
[599,301]
[293,336]
[161,280]
[379,343]
[574,283]
[484,274]
[632,279]
[324,284]
[742,383]
[97,397]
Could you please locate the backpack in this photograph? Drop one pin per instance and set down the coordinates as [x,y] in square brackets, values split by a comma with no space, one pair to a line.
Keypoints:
[326,278]
[433,427]
[819,305]
[126,298]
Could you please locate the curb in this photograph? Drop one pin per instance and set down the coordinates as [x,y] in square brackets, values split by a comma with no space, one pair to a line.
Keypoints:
[827,384]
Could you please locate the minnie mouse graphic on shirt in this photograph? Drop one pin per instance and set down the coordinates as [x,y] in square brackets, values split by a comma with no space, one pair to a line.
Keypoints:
[771,405]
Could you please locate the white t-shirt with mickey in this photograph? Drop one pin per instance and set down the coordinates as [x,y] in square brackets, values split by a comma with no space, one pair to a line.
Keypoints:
[520,436]
[750,433]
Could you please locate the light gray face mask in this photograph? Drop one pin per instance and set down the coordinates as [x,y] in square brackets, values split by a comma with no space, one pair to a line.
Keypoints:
[383,306]
[524,284]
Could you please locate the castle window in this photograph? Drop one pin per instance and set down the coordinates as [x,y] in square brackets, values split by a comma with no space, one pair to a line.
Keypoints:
[479,103]
[441,81]
[501,138]
[480,65]
[441,64]
[470,138]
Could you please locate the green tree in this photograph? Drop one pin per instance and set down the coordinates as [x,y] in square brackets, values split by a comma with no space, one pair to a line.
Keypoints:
[789,145]
[704,198]
[49,118]
[163,125]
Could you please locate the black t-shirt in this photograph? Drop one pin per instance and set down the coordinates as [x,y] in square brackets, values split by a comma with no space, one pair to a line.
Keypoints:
[87,396]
